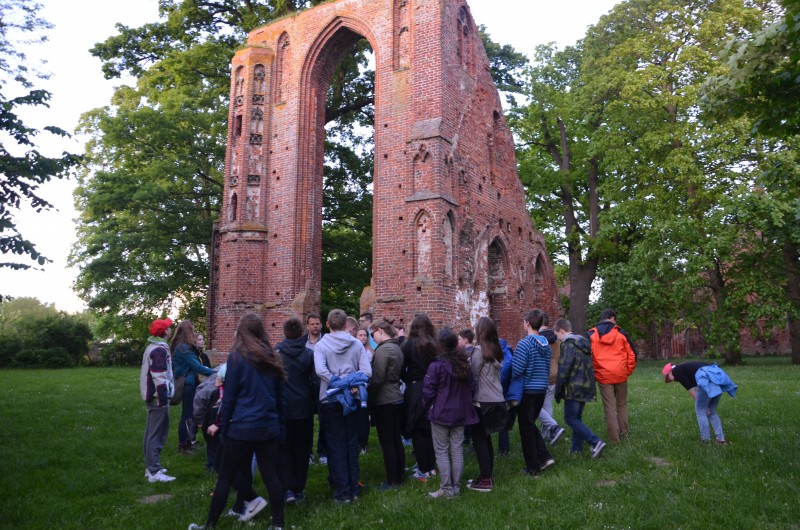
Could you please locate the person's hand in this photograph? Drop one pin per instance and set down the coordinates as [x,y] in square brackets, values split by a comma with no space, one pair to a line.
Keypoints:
[354,390]
[708,412]
[212,430]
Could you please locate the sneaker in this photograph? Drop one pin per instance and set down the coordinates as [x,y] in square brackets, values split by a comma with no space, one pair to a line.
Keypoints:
[438,494]
[483,485]
[406,442]
[159,477]
[598,448]
[548,463]
[722,442]
[299,497]
[558,432]
[290,497]
[195,526]
[531,473]
[252,508]
[363,451]
[147,472]
[233,513]
[311,460]
[432,473]
[323,460]
[385,486]
[419,475]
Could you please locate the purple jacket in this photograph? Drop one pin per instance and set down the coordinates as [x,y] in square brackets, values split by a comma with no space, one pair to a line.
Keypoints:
[447,400]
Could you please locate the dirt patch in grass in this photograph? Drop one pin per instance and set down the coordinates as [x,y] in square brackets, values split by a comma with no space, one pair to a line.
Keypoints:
[152,499]
[606,483]
[660,462]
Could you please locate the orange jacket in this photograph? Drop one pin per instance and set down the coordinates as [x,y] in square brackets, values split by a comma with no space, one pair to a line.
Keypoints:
[612,354]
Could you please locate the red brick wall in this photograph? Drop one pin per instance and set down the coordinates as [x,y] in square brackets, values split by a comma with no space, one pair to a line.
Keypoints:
[446,193]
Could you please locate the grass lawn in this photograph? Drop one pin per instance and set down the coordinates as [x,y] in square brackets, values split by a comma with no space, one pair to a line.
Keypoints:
[72,458]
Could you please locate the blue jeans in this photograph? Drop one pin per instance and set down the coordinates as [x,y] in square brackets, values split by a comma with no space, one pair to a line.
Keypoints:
[702,404]
[573,414]
[341,437]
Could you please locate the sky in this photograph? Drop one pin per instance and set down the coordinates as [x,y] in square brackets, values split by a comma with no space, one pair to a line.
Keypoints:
[77,85]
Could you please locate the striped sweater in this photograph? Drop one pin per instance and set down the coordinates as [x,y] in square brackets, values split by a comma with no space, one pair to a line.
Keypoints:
[532,361]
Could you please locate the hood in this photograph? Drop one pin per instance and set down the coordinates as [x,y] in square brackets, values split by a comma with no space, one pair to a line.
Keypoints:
[604,328]
[549,334]
[340,341]
[292,347]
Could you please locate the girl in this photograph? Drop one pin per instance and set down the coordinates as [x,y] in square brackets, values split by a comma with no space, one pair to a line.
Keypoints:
[186,364]
[387,401]
[252,419]
[420,348]
[490,405]
[447,396]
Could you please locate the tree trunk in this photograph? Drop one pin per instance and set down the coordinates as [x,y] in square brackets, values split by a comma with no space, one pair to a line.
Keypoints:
[581,277]
[791,259]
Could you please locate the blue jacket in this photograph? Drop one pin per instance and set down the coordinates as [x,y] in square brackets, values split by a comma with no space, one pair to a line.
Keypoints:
[253,404]
[339,387]
[512,386]
[714,381]
[185,362]
[532,362]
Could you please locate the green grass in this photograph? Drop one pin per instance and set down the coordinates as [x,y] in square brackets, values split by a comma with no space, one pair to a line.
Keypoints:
[72,458]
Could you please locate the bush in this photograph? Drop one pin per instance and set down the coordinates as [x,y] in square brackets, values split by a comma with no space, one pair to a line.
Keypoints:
[34,334]
[121,353]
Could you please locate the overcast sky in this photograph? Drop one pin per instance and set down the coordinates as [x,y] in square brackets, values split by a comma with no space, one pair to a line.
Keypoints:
[77,85]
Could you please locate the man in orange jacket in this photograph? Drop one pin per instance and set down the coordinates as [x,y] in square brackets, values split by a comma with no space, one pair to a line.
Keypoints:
[614,360]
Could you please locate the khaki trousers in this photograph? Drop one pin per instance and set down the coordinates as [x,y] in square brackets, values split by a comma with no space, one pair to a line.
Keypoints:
[615,406]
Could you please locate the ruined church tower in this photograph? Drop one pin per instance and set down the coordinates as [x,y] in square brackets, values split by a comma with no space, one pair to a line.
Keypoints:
[452,234]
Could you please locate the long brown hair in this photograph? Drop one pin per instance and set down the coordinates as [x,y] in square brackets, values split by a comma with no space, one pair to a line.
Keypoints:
[422,337]
[252,342]
[448,340]
[486,335]
[184,334]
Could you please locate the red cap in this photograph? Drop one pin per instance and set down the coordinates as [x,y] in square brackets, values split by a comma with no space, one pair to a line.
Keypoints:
[158,327]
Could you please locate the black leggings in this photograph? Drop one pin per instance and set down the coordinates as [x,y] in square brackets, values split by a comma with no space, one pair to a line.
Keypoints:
[236,455]
[422,440]
[389,424]
[484,451]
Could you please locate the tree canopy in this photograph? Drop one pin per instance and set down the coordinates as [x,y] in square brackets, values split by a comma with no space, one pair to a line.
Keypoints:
[632,186]
[23,168]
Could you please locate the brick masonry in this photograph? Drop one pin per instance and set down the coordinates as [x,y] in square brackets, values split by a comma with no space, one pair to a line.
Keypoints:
[452,235]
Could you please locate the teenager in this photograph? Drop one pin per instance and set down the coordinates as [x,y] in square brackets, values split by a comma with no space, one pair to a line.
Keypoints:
[386,401]
[252,419]
[447,396]
[488,399]
[576,386]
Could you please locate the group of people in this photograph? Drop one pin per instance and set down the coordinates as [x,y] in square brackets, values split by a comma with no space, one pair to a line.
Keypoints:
[431,386]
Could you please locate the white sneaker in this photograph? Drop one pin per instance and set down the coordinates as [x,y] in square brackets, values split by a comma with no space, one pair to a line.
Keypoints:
[159,477]
[252,508]
[195,526]
[323,460]
[147,472]
[598,448]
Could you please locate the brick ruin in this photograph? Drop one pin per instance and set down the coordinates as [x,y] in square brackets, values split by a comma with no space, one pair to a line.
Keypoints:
[452,235]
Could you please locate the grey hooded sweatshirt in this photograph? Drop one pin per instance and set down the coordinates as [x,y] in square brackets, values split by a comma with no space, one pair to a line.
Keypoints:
[339,353]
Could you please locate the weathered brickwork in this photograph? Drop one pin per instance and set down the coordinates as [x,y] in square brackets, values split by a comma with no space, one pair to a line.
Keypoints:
[452,235]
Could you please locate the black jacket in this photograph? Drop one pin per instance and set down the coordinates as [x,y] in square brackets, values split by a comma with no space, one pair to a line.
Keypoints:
[301,385]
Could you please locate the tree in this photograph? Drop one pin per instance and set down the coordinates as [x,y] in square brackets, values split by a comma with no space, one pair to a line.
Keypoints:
[763,84]
[36,334]
[23,169]
[639,185]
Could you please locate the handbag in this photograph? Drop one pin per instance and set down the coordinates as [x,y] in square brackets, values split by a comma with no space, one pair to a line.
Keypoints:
[177,395]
